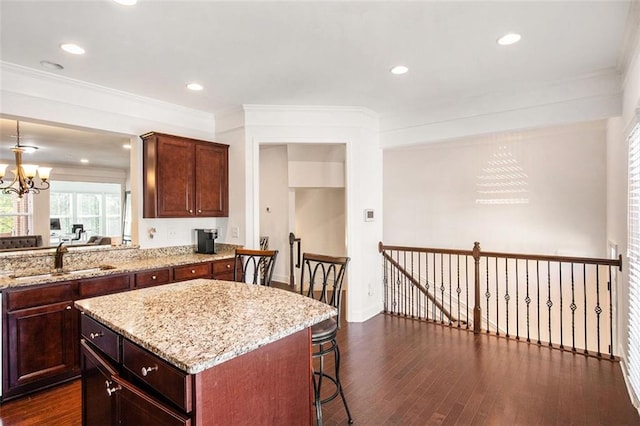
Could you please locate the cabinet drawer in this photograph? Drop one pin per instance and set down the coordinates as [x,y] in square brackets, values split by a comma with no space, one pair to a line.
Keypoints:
[99,286]
[223,266]
[198,270]
[163,377]
[27,298]
[151,278]
[102,337]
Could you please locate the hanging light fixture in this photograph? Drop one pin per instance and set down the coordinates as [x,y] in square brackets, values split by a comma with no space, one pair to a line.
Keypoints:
[24,174]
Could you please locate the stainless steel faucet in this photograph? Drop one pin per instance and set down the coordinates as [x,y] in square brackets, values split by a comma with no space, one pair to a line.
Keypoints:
[59,263]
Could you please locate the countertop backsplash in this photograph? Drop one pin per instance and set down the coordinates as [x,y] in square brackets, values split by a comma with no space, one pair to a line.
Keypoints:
[31,262]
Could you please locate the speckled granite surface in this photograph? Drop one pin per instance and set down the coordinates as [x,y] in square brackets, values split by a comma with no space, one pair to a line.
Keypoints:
[198,324]
[34,269]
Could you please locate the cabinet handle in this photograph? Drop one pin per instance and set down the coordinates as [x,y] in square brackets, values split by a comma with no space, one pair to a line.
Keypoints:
[153,277]
[111,390]
[199,211]
[96,335]
[193,271]
[68,308]
[147,370]
[228,266]
[190,211]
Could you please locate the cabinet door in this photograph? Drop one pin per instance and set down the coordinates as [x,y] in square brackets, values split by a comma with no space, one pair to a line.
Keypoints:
[212,189]
[98,401]
[175,177]
[44,345]
[136,407]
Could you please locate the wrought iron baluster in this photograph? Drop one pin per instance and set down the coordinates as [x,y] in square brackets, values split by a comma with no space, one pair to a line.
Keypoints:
[466,269]
[497,302]
[538,297]
[527,300]
[573,307]
[517,302]
[441,285]
[458,291]
[435,280]
[420,296]
[506,295]
[598,310]
[561,305]
[426,285]
[487,294]
[450,305]
[549,302]
[385,283]
[610,287]
[584,285]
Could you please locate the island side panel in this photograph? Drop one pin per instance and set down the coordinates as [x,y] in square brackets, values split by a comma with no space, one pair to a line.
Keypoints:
[267,386]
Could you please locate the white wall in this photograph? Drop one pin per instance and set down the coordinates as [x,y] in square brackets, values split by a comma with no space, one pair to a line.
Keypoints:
[320,220]
[617,177]
[357,129]
[431,193]
[274,206]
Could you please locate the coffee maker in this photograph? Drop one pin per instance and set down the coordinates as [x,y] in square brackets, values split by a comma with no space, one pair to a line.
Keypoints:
[207,240]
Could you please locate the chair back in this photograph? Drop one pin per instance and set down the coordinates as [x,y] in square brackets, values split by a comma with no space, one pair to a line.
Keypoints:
[324,276]
[255,264]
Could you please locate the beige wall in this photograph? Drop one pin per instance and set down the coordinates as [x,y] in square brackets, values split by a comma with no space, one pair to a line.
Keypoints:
[431,193]
[320,220]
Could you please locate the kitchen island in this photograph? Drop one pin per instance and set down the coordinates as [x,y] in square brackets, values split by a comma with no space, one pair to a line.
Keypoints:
[198,352]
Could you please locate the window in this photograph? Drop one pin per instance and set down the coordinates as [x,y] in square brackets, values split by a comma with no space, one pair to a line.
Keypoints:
[97,206]
[16,217]
[634,259]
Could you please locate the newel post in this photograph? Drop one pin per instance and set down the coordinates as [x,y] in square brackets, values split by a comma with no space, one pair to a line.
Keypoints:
[477,312]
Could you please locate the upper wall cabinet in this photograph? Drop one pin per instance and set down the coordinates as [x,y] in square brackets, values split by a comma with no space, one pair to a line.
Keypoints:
[184,177]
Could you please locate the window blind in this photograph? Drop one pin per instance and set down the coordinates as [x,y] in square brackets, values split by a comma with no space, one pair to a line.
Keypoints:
[634,260]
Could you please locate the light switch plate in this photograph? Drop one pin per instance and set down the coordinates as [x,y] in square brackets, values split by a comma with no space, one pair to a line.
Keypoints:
[369,215]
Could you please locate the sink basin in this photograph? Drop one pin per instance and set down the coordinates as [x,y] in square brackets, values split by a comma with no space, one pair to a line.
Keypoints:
[56,274]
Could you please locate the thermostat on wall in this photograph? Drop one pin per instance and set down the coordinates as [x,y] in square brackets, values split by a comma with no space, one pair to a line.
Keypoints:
[368,215]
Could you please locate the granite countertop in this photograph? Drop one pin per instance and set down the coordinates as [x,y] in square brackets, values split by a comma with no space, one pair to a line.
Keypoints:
[119,267]
[197,324]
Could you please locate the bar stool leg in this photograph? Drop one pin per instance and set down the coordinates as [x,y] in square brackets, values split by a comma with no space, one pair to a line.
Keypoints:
[336,352]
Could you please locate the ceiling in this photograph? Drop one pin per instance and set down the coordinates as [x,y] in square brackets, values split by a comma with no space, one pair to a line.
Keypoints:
[317,53]
[59,146]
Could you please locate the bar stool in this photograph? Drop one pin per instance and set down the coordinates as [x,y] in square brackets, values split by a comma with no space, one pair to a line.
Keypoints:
[325,275]
[257,264]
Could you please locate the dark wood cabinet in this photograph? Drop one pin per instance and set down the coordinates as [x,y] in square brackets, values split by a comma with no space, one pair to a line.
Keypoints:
[110,399]
[184,177]
[41,328]
[41,342]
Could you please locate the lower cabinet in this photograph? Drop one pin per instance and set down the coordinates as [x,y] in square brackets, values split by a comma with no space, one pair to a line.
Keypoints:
[41,345]
[41,326]
[110,399]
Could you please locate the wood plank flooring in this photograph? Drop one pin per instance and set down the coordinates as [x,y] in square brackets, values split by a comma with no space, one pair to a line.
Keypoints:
[405,372]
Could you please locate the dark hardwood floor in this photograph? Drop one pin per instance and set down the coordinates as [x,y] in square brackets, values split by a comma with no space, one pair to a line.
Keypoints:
[400,371]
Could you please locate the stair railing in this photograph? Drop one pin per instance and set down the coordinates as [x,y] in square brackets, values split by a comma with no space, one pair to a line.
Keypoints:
[558,301]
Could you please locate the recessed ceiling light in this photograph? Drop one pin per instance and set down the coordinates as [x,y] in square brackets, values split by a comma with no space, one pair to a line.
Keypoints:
[74,49]
[84,160]
[126,146]
[508,39]
[51,65]
[126,2]
[399,69]
[195,87]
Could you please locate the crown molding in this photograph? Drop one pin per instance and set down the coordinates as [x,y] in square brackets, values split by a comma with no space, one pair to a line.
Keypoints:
[7,68]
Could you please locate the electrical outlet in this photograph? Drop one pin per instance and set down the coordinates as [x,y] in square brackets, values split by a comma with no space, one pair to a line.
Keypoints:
[235,232]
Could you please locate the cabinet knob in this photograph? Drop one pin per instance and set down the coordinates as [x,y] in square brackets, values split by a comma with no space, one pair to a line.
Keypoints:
[147,370]
[193,271]
[228,266]
[96,335]
[199,211]
[68,308]
[153,277]
[190,211]
[111,390]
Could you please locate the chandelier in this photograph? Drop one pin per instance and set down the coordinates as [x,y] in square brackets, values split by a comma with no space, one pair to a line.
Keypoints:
[24,174]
